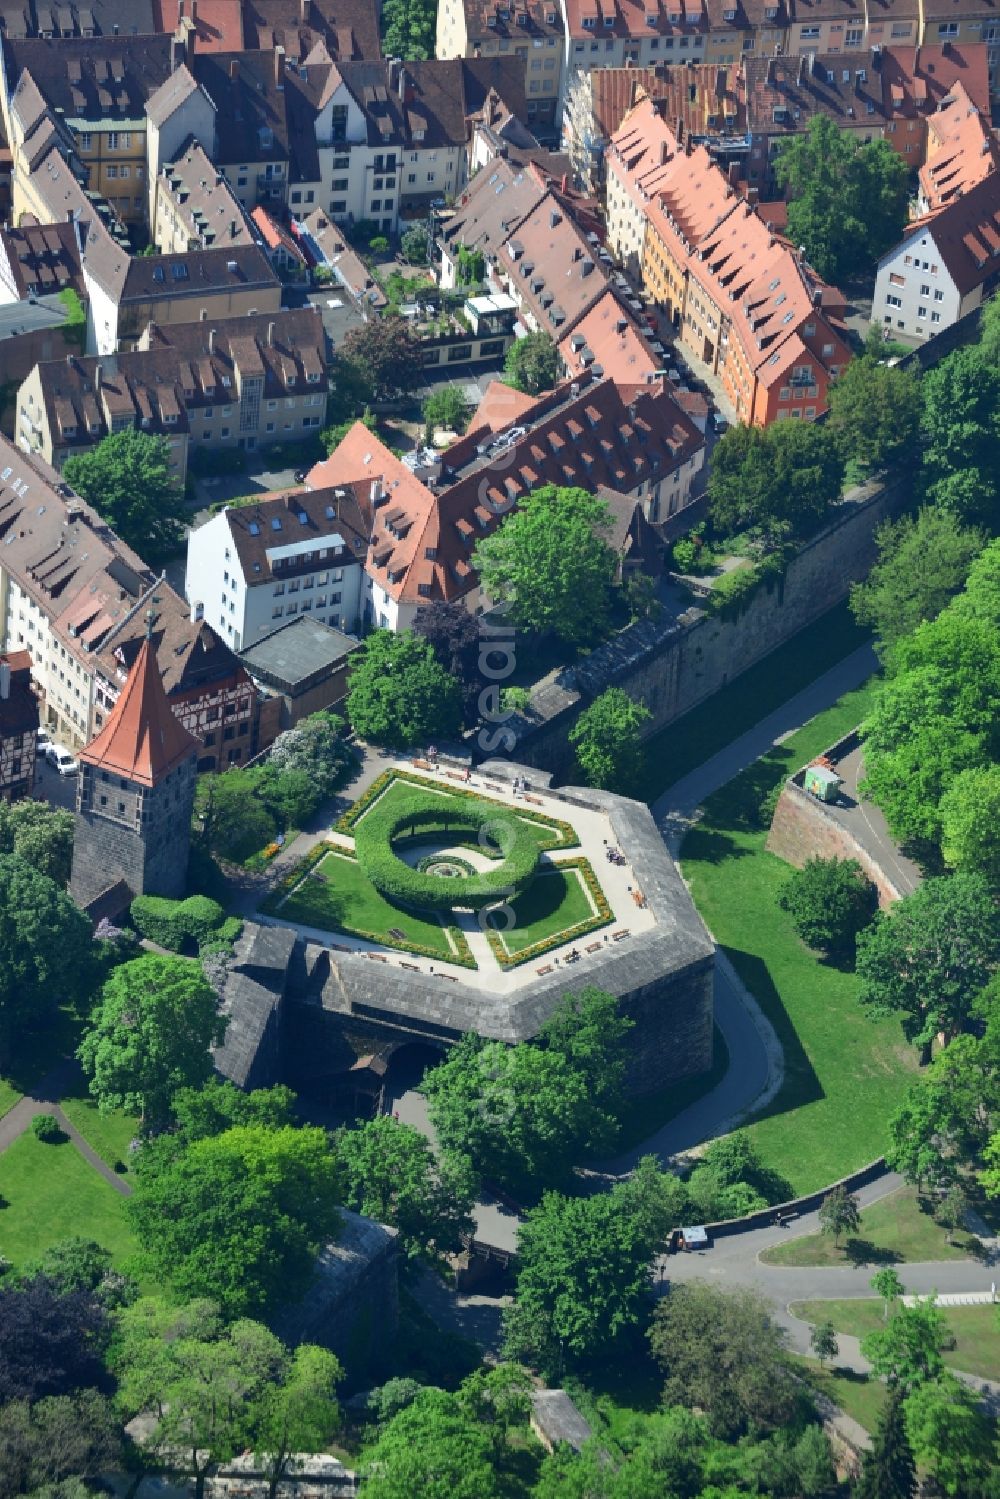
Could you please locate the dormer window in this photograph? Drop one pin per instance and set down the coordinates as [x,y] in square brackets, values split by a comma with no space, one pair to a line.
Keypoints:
[770,13]
[589,22]
[729,15]
[226,382]
[313,378]
[651,20]
[170,419]
[254,528]
[609,21]
[276,523]
[265,136]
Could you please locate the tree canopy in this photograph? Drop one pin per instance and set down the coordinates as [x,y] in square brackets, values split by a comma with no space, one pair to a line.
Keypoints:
[721,1352]
[875,410]
[970,817]
[830,901]
[924,561]
[532,364]
[383,351]
[399,694]
[237,1217]
[848,202]
[433,1447]
[408,30]
[551,561]
[456,635]
[609,749]
[151,1034]
[780,479]
[46,949]
[127,479]
[390,1172]
[40,835]
[52,1340]
[60,1437]
[929,956]
[961,423]
[524,1114]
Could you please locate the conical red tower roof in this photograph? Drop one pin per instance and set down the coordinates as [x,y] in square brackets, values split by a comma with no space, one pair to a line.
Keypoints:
[142,739]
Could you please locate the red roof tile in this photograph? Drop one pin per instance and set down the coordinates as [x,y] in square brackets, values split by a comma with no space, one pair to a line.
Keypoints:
[142,739]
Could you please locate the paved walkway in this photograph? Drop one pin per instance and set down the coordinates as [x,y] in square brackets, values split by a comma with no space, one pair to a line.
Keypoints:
[44,1099]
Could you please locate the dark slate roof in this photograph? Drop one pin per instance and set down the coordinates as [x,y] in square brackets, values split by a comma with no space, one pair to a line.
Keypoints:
[347,28]
[341,1267]
[92,78]
[302,652]
[254,989]
[558,1419]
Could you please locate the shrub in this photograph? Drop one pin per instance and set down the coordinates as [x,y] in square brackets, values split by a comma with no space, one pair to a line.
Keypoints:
[373,840]
[173,923]
[46,1127]
[378,244]
[830,901]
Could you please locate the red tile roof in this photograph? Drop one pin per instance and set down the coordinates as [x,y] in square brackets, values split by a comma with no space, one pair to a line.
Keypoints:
[962,149]
[608,339]
[142,739]
[966,232]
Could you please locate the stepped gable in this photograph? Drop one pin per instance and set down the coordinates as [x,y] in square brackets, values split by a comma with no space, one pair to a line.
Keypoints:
[142,739]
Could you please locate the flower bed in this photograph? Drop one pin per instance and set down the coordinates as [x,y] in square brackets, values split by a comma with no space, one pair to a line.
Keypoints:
[292,876]
[562,834]
[602,917]
[400,883]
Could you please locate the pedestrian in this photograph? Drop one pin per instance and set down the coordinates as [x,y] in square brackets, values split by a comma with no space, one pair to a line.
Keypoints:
[468,774]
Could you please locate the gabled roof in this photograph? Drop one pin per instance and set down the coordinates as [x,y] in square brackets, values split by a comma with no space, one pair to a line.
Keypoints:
[43,258]
[143,739]
[344,28]
[608,339]
[92,78]
[553,266]
[966,232]
[962,149]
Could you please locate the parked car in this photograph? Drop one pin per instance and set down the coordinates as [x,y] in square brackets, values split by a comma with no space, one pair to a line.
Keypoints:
[300,475]
[42,740]
[719,422]
[61,760]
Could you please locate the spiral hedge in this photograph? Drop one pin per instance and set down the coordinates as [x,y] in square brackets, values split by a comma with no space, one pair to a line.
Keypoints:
[397,881]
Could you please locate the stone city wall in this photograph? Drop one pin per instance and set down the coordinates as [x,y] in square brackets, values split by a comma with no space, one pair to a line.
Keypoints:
[672,665]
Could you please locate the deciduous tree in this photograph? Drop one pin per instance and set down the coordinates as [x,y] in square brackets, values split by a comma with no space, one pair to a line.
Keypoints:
[970,817]
[887,1284]
[723,1354]
[607,736]
[907,1351]
[457,637]
[46,949]
[446,408]
[830,901]
[875,411]
[399,694]
[930,955]
[51,1341]
[390,1172]
[551,561]
[781,479]
[839,1214]
[386,353]
[127,479]
[40,835]
[218,1105]
[951,1437]
[961,424]
[924,561]
[432,1448]
[532,364]
[151,1035]
[848,202]
[237,1217]
[60,1437]
[296,1413]
[823,1341]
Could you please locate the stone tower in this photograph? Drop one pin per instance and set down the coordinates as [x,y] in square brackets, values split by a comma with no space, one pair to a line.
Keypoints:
[135,793]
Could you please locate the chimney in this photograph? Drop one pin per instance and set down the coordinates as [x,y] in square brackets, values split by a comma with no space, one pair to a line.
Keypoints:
[679,129]
[4,680]
[303,12]
[177,52]
[405,86]
[234,68]
[98,378]
[663,153]
[197,611]
[279,67]
[270,335]
[734,173]
[194,11]
[802,67]
[564,183]
[181,9]
[394,75]
[211,340]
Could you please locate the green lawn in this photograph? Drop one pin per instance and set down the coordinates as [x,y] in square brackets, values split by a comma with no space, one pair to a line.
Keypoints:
[856,1394]
[899,1228]
[108,1134]
[689,741]
[976,1329]
[554,902]
[51,1194]
[844,1073]
[402,790]
[9,1096]
[342,899]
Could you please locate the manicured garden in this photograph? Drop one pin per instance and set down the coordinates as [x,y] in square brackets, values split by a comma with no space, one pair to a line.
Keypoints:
[554,906]
[844,1073]
[975,1329]
[51,1193]
[338,896]
[897,1228]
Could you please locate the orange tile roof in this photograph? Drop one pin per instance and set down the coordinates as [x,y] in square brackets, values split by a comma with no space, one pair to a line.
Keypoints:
[499,407]
[142,739]
[608,339]
[961,150]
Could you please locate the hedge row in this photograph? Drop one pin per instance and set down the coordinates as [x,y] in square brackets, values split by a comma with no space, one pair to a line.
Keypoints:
[424,892]
[563,834]
[582,929]
[173,923]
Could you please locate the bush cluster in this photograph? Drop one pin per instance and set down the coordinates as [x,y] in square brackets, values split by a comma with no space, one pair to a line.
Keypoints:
[176,923]
[549,832]
[398,882]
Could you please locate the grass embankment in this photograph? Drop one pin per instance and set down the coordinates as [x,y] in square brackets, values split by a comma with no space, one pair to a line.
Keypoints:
[975,1329]
[897,1229]
[688,742]
[844,1073]
[108,1134]
[51,1194]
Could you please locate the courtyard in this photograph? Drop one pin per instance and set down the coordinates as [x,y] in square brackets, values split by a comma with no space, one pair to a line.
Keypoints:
[572,904]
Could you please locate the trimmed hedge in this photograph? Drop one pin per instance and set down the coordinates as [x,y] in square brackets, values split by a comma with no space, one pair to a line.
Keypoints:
[173,923]
[550,832]
[398,882]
